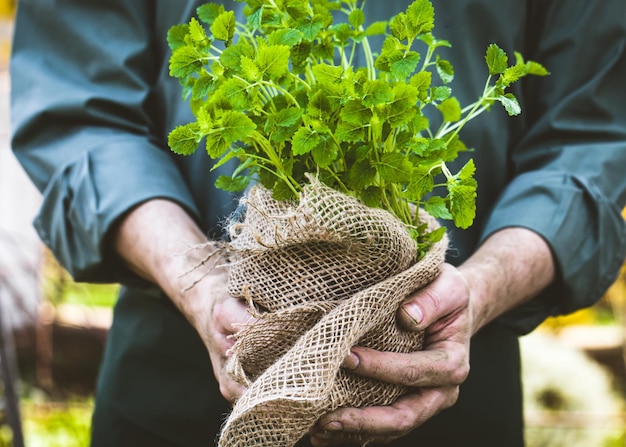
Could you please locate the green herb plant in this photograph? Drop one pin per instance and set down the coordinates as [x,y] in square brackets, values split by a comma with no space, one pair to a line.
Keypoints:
[281,94]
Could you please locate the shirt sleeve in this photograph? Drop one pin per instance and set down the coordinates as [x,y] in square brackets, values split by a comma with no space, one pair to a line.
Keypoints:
[569,169]
[83,73]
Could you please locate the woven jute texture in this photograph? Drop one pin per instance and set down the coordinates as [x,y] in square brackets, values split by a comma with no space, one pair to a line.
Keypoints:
[323,275]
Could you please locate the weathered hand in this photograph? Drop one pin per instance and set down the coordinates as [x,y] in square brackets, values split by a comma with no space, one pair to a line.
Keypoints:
[509,268]
[217,316]
[159,241]
[435,373]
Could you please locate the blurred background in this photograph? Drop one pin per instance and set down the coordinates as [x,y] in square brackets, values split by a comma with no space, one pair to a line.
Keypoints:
[53,330]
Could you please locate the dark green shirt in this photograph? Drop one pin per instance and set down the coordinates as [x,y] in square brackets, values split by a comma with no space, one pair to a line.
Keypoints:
[93,104]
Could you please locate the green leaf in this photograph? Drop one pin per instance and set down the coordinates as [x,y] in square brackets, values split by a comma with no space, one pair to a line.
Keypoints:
[270,18]
[454,147]
[394,167]
[325,73]
[249,69]
[357,153]
[286,36]
[216,146]
[299,56]
[350,132]
[535,68]
[435,235]
[393,50]
[266,178]
[288,117]
[223,27]
[512,74]
[304,141]
[421,183]
[420,17]
[510,103]
[445,70]
[230,128]
[204,116]
[176,36]
[376,92]
[184,61]
[296,8]
[325,153]
[432,42]
[398,26]
[319,106]
[209,12]
[246,164]
[184,139]
[281,134]
[404,96]
[462,195]
[235,152]
[231,56]
[404,67]
[462,204]
[497,60]
[255,19]
[361,175]
[235,91]
[421,81]
[450,109]
[419,123]
[197,32]
[273,60]
[402,109]
[237,184]
[356,18]
[434,148]
[355,112]
[420,146]
[282,191]
[376,28]
[323,49]
[311,26]
[467,172]
[235,126]
[372,196]
[342,32]
[440,93]
[436,206]
[203,85]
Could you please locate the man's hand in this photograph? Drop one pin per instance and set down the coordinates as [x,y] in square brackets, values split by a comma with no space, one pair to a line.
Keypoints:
[435,373]
[216,316]
[159,241]
[511,267]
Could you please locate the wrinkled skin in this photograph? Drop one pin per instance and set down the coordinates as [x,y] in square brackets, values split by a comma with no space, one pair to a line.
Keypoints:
[511,267]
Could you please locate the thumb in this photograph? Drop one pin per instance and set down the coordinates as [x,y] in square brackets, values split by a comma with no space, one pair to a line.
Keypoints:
[444,295]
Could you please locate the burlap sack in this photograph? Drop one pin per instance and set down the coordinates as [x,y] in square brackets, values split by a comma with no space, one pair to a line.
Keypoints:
[325,274]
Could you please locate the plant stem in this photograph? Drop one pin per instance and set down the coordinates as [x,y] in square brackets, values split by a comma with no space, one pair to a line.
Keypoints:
[471,111]
[275,160]
[369,58]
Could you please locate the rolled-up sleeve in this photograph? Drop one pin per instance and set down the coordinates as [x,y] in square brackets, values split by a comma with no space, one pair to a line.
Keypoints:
[83,75]
[569,169]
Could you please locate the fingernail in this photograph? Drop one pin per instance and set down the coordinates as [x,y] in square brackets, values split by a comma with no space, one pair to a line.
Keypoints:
[414,312]
[351,362]
[333,426]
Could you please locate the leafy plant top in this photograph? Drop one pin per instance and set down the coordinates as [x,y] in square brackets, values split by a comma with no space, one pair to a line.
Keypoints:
[281,93]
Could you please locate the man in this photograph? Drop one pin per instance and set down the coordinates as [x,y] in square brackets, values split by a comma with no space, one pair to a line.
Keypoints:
[92,106]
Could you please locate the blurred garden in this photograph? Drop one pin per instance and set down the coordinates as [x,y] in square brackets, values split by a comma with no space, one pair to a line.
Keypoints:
[54,331]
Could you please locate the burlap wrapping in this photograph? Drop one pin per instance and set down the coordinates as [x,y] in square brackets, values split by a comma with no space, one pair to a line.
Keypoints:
[328,273]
